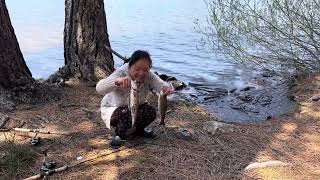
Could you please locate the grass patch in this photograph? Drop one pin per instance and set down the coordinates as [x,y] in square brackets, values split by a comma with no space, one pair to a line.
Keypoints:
[140,159]
[15,158]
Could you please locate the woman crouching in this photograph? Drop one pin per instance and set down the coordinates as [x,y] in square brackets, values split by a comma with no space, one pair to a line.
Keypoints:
[115,109]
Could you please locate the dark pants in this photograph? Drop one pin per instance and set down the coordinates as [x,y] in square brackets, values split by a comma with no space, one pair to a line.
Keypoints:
[121,119]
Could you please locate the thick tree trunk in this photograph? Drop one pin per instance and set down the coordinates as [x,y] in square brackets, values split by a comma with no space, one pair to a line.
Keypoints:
[13,69]
[85,38]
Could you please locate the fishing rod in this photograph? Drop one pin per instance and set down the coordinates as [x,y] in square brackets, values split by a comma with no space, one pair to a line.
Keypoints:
[43,174]
[37,131]
[49,172]
[117,54]
[34,140]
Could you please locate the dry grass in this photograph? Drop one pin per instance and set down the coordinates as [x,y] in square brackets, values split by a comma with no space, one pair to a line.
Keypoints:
[15,158]
[293,138]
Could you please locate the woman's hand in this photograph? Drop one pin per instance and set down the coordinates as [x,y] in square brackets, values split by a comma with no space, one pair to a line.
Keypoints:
[167,90]
[124,82]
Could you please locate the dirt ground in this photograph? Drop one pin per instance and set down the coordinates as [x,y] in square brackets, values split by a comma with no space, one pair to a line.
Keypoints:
[293,139]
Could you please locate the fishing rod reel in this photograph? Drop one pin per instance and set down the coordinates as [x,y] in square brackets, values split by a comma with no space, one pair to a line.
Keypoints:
[47,165]
[35,140]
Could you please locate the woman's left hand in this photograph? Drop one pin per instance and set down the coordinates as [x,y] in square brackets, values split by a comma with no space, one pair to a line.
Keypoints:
[167,91]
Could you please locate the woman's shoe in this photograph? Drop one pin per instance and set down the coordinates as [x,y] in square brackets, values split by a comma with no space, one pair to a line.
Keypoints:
[146,132]
[116,142]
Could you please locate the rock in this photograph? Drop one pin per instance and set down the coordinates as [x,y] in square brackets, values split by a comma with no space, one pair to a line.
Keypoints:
[236,107]
[184,134]
[3,119]
[263,100]
[171,78]
[163,77]
[61,82]
[245,98]
[232,90]
[212,126]
[195,85]
[211,97]
[178,85]
[246,88]
[315,98]
[216,93]
[251,108]
[56,77]
[221,90]
[269,73]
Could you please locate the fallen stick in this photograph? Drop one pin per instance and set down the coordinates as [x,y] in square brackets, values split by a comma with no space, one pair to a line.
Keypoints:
[266,164]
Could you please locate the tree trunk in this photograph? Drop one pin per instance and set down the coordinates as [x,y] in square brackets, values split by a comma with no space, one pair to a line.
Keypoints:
[85,38]
[13,69]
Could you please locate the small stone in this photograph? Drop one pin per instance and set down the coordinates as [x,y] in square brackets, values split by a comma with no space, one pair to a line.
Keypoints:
[210,129]
[315,98]
[212,126]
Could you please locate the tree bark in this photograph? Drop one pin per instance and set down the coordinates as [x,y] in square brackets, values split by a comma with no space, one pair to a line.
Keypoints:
[85,38]
[13,69]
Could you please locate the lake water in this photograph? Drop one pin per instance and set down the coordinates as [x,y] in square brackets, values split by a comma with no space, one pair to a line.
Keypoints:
[164,28]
